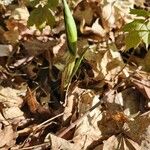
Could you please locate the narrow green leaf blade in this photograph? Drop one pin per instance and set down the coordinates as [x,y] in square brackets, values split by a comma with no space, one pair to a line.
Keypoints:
[71,30]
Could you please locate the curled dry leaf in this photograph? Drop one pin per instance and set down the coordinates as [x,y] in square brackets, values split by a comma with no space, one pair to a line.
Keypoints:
[35,107]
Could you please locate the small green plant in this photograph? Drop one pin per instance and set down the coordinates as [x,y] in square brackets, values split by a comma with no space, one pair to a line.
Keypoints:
[42,13]
[71,34]
[138,30]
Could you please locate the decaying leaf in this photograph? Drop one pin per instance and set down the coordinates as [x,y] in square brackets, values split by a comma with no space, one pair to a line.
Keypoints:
[5,50]
[7,136]
[59,143]
[11,97]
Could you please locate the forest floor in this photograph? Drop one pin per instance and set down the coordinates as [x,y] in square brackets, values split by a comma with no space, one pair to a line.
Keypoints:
[106,106]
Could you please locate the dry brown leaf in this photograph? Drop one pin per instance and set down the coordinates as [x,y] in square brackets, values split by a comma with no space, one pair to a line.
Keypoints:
[5,50]
[120,142]
[143,86]
[35,107]
[71,103]
[59,143]
[12,36]
[8,137]
[83,11]
[139,130]
[36,47]
[87,130]
[10,97]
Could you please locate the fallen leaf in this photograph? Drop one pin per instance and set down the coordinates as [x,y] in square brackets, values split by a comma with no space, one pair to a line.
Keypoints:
[11,97]
[5,50]
[8,137]
[59,143]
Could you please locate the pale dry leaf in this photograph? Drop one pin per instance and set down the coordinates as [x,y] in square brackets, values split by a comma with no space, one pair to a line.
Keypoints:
[108,16]
[132,145]
[12,113]
[71,103]
[118,13]
[96,29]
[20,13]
[7,136]
[111,143]
[5,50]
[11,97]
[87,130]
[59,143]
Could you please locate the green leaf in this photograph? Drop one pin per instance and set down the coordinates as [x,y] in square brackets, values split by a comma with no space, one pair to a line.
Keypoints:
[71,30]
[132,40]
[41,16]
[144,34]
[67,73]
[78,62]
[140,12]
[134,25]
[52,3]
[140,27]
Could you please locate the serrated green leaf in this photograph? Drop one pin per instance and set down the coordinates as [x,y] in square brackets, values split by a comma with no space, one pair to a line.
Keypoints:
[140,12]
[41,16]
[144,34]
[52,3]
[132,40]
[134,25]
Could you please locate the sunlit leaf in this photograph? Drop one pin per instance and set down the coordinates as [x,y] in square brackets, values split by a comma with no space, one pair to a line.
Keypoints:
[140,27]
[132,39]
[140,12]
[134,25]
[41,16]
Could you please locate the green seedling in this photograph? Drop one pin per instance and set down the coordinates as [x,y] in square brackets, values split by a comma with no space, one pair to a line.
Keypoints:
[71,34]
[71,30]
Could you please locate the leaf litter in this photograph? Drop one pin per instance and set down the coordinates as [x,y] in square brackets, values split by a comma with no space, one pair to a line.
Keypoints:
[106,106]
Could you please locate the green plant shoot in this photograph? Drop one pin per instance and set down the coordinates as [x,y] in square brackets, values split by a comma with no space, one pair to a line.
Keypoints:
[71,30]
